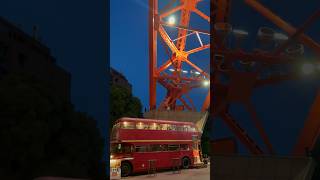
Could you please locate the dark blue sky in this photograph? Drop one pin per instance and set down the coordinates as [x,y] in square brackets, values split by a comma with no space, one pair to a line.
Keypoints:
[282,108]
[75,31]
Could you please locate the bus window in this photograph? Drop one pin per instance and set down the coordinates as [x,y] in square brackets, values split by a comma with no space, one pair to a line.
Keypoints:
[127,125]
[173,147]
[179,128]
[184,147]
[141,148]
[155,147]
[127,149]
[164,147]
[154,126]
[164,126]
[140,125]
[192,129]
[172,127]
[116,126]
[121,148]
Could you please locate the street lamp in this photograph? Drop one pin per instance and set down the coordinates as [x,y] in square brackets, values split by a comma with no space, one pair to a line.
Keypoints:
[171,20]
[206,83]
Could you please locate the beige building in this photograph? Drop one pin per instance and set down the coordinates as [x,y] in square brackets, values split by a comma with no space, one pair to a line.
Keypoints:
[22,52]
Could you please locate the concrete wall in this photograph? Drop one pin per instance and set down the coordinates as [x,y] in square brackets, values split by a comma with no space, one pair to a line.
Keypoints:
[236,167]
[57,178]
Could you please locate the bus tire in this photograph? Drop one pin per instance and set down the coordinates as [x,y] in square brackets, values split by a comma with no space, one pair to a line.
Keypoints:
[126,169]
[185,163]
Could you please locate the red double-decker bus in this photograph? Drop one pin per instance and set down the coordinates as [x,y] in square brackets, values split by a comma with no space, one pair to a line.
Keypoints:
[135,142]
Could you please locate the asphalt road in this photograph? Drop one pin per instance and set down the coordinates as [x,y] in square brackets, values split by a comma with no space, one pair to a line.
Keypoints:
[185,174]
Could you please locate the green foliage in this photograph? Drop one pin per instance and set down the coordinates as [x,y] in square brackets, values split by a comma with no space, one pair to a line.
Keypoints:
[123,104]
[42,135]
[205,139]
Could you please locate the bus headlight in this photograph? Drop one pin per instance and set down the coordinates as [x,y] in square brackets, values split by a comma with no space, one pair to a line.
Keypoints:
[114,163]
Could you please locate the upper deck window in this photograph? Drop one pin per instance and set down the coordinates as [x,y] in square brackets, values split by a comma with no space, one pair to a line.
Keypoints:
[154,126]
[172,127]
[141,125]
[128,125]
[164,126]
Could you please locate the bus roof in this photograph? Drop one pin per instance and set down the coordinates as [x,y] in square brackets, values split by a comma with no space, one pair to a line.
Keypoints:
[154,121]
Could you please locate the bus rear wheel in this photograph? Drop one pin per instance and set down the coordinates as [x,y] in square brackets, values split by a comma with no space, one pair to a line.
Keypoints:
[125,169]
[185,163]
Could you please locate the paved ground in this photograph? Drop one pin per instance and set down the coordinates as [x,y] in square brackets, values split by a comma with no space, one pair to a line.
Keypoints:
[186,174]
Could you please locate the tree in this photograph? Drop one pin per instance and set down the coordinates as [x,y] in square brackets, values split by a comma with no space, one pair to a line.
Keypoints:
[205,138]
[123,104]
[42,135]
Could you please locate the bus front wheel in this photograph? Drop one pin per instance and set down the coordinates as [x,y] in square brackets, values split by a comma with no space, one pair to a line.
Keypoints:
[125,169]
[185,163]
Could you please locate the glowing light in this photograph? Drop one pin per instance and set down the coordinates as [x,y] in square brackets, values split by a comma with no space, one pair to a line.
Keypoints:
[172,70]
[206,83]
[308,68]
[111,156]
[184,71]
[198,73]
[239,32]
[280,36]
[171,20]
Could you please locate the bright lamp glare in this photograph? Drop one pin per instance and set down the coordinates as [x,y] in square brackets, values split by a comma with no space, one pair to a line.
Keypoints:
[206,83]
[171,20]
[308,68]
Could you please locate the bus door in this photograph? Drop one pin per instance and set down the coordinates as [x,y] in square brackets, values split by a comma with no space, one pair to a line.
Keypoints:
[174,153]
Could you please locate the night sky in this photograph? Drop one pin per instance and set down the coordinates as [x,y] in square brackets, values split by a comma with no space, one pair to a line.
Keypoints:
[282,108]
[75,31]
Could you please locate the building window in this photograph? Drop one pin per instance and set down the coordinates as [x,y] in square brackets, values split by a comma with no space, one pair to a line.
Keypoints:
[3,53]
[22,60]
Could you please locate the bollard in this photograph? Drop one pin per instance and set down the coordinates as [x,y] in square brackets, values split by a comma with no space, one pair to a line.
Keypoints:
[152,167]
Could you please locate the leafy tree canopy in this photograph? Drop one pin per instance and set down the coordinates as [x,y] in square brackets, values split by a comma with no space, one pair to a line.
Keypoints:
[123,104]
[42,135]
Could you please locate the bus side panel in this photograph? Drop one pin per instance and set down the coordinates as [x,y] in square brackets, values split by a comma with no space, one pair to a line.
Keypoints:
[141,160]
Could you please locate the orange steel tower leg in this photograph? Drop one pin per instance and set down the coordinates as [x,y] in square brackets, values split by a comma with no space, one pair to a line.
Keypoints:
[153,14]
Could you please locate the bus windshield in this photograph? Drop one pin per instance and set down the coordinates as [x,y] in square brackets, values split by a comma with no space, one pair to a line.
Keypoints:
[121,148]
